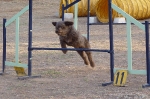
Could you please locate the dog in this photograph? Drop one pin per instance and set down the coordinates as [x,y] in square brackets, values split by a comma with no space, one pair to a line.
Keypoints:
[68,35]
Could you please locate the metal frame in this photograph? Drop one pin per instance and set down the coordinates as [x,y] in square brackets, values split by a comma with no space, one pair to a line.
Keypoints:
[111,50]
[4,46]
[75,11]
[130,20]
[145,28]
[5,24]
[67,6]
[147,54]
[30,48]
[111,45]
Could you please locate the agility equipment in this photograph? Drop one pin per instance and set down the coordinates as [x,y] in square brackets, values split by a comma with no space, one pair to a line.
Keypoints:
[20,71]
[129,20]
[65,7]
[120,78]
[31,48]
[138,9]
[5,24]
[110,51]
[82,7]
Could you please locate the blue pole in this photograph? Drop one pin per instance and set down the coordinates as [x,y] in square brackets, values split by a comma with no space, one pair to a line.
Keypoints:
[111,45]
[4,45]
[88,28]
[111,42]
[71,49]
[30,40]
[147,51]
[147,54]
[63,12]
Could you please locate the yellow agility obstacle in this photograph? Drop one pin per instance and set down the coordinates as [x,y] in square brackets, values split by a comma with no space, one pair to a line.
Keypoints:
[82,7]
[138,9]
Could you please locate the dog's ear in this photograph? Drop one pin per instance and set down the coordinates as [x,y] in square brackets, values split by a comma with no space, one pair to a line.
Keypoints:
[54,23]
[68,23]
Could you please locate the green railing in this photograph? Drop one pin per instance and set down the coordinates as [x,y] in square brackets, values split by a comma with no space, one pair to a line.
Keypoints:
[16,18]
[129,20]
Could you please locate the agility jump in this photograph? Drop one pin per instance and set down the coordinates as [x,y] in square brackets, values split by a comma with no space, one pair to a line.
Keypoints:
[30,48]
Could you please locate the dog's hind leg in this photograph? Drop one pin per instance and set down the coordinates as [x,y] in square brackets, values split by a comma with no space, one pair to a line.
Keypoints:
[89,55]
[84,57]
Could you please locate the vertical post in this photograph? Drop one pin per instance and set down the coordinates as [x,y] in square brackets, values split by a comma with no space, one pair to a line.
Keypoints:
[147,54]
[30,40]
[147,51]
[111,41]
[63,12]
[4,45]
[17,41]
[111,45]
[76,16]
[129,45]
[88,30]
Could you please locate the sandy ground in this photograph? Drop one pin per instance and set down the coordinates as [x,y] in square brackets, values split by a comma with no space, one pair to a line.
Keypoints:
[66,76]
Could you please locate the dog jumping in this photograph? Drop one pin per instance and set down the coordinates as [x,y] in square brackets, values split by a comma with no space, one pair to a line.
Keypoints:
[68,35]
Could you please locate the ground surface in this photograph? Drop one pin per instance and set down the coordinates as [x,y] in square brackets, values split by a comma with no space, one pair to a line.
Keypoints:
[65,76]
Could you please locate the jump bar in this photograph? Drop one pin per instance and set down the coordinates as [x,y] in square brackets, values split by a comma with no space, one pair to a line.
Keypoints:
[72,49]
[100,23]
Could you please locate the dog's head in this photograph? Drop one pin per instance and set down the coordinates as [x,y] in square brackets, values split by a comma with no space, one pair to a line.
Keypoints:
[62,27]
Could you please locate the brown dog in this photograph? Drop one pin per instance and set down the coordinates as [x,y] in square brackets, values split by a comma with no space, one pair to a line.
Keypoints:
[68,35]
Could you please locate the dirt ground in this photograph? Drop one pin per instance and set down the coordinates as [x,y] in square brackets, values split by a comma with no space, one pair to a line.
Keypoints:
[66,76]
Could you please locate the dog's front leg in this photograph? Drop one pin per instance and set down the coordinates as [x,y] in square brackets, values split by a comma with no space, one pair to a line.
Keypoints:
[63,45]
